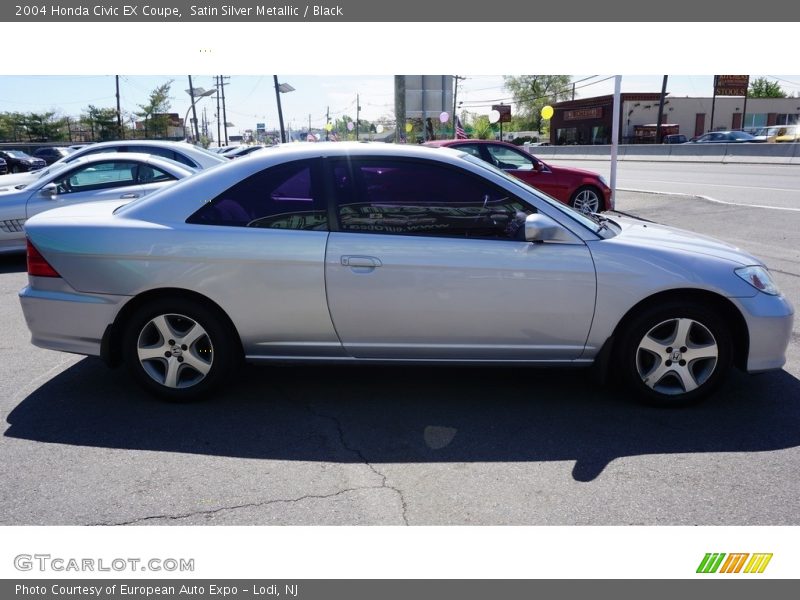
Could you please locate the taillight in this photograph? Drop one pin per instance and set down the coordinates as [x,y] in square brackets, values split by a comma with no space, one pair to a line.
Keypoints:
[37,265]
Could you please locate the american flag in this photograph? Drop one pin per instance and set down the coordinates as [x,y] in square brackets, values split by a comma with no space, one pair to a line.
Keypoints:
[460,133]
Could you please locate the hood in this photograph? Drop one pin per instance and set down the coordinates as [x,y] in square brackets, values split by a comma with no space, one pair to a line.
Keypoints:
[8,182]
[652,236]
[573,171]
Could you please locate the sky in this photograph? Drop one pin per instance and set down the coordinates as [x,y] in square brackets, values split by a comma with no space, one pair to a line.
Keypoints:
[250,99]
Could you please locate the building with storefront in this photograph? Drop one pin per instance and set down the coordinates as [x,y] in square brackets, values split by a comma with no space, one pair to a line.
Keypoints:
[588,120]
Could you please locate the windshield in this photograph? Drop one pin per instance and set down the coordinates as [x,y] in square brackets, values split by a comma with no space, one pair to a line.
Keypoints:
[16,154]
[592,224]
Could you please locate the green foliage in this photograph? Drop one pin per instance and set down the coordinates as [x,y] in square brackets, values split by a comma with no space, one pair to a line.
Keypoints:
[482,128]
[154,111]
[532,92]
[33,127]
[761,87]
[101,122]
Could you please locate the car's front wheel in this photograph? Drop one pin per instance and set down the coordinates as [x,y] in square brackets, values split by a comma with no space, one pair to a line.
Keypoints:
[178,349]
[587,199]
[675,354]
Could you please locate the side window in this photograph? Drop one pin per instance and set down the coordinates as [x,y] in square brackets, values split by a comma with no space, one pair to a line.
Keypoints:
[469,149]
[424,198]
[151,174]
[506,158]
[281,197]
[97,176]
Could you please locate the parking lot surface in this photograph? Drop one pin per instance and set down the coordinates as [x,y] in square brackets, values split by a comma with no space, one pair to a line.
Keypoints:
[317,445]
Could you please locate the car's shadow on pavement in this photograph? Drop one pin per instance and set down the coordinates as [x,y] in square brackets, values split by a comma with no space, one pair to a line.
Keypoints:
[13,263]
[408,414]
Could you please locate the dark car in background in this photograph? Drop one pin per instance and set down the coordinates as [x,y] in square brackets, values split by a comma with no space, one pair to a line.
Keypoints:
[51,154]
[3,166]
[725,137]
[583,190]
[19,162]
[674,138]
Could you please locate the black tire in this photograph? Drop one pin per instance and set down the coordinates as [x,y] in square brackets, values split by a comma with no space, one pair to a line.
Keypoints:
[174,371]
[659,372]
[587,199]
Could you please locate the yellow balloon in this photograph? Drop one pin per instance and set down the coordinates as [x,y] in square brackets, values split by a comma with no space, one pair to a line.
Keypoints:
[547,112]
[328,126]
[409,127]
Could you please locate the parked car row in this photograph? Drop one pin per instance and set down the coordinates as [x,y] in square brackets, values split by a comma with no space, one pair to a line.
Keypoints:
[103,176]
[364,253]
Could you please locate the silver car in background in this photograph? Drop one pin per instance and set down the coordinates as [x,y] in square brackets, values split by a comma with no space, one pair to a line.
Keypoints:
[105,176]
[190,155]
[362,253]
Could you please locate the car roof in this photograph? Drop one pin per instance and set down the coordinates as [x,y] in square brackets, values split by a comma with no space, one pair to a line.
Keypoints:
[193,151]
[150,159]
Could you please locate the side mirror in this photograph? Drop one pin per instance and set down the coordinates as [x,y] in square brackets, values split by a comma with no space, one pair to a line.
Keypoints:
[48,191]
[541,228]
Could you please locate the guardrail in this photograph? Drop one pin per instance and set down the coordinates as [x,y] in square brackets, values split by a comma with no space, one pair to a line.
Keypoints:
[781,154]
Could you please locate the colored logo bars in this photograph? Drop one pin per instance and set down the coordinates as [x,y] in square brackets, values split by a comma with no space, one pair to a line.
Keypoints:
[733,563]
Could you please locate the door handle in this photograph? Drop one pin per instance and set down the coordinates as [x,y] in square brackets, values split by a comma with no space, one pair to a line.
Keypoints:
[361,261]
[129,196]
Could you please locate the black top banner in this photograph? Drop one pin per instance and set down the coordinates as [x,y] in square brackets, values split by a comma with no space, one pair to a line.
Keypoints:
[414,11]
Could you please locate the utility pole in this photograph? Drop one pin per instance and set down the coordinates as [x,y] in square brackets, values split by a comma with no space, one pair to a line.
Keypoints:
[120,132]
[455,106]
[327,120]
[309,123]
[661,110]
[358,111]
[219,131]
[222,84]
[399,107]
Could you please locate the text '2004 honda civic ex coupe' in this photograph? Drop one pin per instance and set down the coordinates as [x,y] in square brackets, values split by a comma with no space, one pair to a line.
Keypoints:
[365,253]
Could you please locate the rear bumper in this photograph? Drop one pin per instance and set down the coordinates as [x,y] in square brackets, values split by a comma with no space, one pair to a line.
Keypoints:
[62,319]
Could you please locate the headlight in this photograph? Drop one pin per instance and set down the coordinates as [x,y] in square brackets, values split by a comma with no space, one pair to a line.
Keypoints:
[759,278]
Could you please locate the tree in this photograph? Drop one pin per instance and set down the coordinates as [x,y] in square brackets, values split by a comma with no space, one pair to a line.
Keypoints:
[102,122]
[44,127]
[532,92]
[154,112]
[482,128]
[761,87]
[12,126]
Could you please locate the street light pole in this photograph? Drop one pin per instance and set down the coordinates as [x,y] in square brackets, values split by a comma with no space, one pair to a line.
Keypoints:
[194,112]
[280,110]
[196,94]
[281,88]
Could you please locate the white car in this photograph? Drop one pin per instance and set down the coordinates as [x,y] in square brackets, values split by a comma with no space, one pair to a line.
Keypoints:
[187,154]
[105,176]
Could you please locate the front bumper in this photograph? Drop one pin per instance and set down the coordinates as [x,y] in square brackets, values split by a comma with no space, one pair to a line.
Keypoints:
[769,324]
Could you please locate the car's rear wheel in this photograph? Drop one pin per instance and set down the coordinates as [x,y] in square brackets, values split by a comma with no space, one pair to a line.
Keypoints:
[675,354]
[178,349]
[587,199]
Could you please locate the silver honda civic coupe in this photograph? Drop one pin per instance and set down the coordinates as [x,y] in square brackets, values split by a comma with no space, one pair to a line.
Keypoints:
[341,253]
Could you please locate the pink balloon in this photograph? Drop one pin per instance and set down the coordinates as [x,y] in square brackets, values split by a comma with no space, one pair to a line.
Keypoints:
[444,117]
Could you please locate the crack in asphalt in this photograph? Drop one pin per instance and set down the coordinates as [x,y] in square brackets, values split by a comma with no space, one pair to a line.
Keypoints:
[364,459]
[222,509]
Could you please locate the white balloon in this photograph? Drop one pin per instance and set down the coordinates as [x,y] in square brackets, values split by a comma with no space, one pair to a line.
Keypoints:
[494,116]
